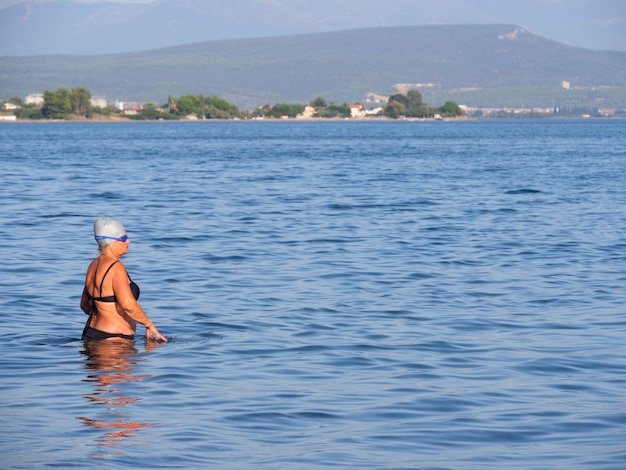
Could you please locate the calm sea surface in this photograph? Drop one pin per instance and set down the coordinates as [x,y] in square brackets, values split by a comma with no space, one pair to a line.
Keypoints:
[380,295]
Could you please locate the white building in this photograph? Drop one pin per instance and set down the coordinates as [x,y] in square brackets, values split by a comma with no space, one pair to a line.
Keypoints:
[127,107]
[357,110]
[99,102]
[308,113]
[374,111]
[34,98]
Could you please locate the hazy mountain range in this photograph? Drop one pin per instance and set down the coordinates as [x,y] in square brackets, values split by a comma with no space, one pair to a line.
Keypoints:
[479,65]
[40,27]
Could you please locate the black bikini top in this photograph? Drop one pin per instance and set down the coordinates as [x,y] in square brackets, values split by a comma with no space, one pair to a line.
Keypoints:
[134,288]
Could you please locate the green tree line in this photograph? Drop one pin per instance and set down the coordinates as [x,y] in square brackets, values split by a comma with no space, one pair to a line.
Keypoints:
[62,103]
[411,105]
[76,103]
[59,104]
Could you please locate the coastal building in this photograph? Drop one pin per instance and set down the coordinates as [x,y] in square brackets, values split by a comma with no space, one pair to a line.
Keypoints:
[374,111]
[357,111]
[99,102]
[128,107]
[34,98]
[308,113]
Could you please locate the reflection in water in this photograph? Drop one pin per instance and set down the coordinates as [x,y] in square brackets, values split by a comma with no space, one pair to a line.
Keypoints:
[113,363]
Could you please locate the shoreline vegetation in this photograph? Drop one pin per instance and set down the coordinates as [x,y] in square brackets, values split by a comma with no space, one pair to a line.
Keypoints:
[122,120]
[77,105]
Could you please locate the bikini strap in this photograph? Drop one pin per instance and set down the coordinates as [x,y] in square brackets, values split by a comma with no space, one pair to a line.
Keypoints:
[105,275]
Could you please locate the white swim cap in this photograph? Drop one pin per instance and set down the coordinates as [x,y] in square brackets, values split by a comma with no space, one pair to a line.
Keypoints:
[107,227]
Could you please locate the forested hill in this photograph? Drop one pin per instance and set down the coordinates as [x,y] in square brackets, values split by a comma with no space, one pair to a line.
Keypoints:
[481,65]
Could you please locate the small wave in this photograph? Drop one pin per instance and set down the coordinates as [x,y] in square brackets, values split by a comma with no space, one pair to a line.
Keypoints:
[339,207]
[107,195]
[62,215]
[523,191]
[223,259]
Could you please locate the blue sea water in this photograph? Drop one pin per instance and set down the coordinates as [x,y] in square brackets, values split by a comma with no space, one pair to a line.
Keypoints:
[358,295]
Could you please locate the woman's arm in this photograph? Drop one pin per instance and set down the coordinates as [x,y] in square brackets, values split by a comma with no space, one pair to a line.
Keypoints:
[85,302]
[126,300]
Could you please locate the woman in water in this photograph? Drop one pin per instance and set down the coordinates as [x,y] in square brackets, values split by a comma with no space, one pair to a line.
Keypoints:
[110,296]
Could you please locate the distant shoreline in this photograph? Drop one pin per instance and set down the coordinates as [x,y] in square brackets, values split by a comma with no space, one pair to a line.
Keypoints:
[125,120]
[347,120]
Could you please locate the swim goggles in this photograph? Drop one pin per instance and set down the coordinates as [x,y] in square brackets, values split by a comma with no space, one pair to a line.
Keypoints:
[121,238]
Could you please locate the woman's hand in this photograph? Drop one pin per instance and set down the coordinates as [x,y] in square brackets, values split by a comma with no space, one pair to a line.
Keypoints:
[153,334]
